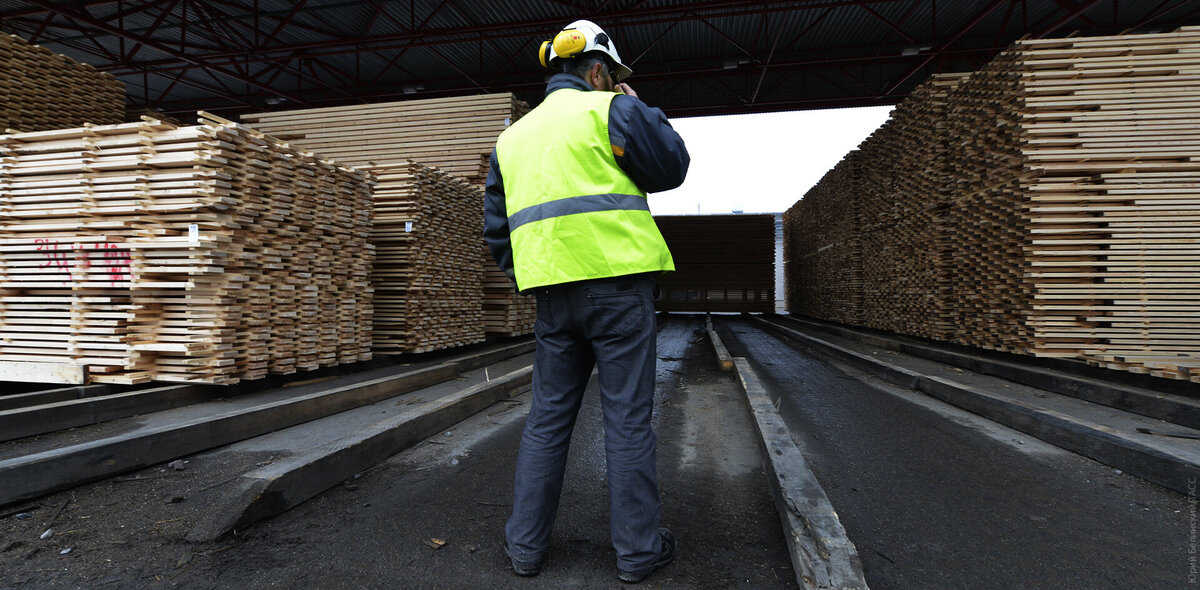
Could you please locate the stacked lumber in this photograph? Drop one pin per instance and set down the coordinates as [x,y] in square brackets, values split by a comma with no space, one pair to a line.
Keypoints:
[1044,205]
[455,135]
[1113,128]
[822,248]
[506,313]
[42,90]
[984,300]
[427,278]
[900,180]
[210,253]
[501,315]
[723,263]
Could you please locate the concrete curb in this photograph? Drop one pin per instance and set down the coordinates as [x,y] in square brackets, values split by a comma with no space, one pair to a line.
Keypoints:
[38,474]
[285,484]
[891,373]
[58,394]
[472,361]
[37,413]
[822,555]
[1172,407]
[1095,441]
[1091,440]
[60,415]
[723,359]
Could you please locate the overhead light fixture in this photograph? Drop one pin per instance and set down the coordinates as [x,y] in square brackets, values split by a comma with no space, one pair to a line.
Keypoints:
[274,100]
[914,50]
[412,88]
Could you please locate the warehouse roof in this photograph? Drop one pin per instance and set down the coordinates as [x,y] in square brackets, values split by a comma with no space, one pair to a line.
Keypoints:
[691,58]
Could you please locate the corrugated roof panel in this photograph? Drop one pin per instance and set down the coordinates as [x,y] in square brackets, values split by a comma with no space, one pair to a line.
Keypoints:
[689,57]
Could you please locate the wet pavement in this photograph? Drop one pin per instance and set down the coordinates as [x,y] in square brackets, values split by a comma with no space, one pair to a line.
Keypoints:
[433,516]
[934,497]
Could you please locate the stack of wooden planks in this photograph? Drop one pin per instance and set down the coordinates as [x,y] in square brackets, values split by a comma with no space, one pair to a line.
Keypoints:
[427,278]
[900,197]
[723,263]
[42,90]
[1044,205]
[209,253]
[502,314]
[822,248]
[1113,139]
[455,135]
[983,298]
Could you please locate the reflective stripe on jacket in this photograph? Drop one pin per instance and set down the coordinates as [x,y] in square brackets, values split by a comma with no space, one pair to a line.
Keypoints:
[573,213]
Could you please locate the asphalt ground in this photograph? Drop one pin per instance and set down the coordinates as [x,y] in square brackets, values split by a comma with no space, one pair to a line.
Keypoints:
[935,497]
[433,516]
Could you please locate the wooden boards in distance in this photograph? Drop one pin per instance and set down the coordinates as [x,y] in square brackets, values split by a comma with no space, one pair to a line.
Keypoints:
[41,90]
[427,278]
[210,253]
[723,263]
[456,135]
[1046,205]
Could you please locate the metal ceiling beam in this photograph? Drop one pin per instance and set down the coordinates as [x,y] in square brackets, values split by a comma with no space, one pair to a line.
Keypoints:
[731,40]
[90,21]
[1068,17]
[150,32]
[41,28]
[1069,5]
[652,43]
[1160,11]
[81,4]
[989,9]
[299,4]
[523,84]
[228,37]
[766,65]
[241,75]
[509,29]
[887,22]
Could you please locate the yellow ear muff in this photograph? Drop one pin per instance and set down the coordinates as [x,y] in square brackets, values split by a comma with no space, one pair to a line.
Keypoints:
[544,53]
[568,44]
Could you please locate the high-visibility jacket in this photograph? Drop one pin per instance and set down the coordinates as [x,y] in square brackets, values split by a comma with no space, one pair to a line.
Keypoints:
[573,213]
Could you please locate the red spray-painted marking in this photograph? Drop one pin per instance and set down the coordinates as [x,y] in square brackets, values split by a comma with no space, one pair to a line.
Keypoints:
[116,259]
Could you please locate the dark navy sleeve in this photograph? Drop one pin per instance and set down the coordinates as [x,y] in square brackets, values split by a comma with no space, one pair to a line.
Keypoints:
[647,148]
[495,219]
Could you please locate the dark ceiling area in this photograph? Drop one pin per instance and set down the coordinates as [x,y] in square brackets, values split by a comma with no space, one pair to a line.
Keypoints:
[690,58]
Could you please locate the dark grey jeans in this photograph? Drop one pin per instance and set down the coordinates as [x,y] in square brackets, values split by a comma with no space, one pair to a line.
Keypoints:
[609,324]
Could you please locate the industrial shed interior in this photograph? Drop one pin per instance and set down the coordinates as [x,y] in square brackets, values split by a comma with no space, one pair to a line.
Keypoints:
[1016,190]
[246,236]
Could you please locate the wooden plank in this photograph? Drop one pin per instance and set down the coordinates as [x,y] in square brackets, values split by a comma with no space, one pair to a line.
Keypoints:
[42,372]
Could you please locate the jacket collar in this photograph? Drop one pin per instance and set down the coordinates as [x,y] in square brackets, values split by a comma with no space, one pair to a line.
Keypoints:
[561,81]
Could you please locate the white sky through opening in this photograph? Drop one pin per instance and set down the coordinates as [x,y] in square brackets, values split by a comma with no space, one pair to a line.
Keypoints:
[762,163]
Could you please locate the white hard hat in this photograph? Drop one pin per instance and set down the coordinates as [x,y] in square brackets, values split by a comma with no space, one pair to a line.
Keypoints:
[581,37]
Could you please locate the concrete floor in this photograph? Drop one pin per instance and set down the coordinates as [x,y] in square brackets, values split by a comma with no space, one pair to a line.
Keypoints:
[372,532]
[934,497]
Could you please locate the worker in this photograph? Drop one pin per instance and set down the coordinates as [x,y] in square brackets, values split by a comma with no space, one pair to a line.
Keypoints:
[566,218]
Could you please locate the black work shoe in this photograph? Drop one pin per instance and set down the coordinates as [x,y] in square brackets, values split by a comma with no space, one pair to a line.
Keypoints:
[523,568]
[665,556]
